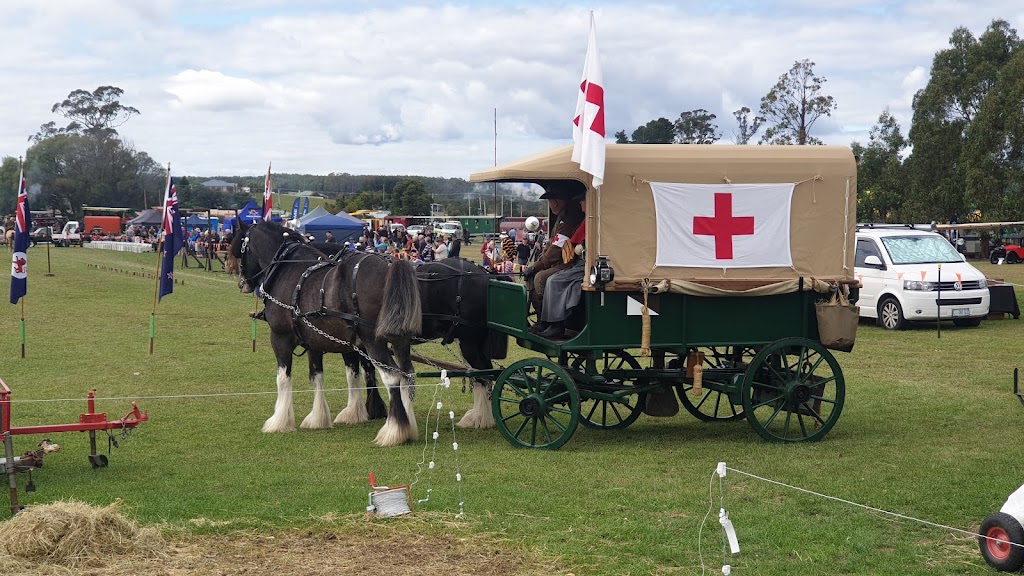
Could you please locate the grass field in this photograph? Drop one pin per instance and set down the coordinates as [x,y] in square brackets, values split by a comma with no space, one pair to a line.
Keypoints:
[930,429]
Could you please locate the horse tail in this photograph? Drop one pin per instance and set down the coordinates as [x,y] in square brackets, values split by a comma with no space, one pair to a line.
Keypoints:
[401,312]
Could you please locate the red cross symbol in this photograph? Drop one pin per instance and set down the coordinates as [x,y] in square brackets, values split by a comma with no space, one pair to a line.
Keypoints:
[19,265]
[594,95]
[723,226]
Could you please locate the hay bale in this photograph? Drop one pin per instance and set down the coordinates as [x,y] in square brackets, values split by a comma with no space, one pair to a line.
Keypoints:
[75,534]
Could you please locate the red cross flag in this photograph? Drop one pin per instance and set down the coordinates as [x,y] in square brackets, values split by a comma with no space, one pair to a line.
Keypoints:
[588,125]
[723,225]
[268,196]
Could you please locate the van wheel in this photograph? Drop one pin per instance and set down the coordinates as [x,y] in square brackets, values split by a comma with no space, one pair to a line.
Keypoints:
[1012,258]
[967,322]
[890,314]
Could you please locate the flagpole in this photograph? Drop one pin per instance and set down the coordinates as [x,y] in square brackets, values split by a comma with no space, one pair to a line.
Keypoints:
[22,326]
[156,284]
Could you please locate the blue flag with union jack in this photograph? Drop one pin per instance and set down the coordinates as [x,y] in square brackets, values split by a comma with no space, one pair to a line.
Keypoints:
[19,261]
[173,238]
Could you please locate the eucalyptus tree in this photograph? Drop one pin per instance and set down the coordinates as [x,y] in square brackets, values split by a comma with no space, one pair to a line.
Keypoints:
[794,104]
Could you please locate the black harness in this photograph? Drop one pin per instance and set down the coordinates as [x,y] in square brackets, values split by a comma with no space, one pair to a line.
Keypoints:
[281,256]
[455,319]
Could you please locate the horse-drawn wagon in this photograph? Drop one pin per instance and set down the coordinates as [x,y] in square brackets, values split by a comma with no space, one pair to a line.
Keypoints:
[705,268]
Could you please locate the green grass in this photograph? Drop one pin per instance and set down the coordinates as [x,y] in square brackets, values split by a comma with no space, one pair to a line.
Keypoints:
[930,429]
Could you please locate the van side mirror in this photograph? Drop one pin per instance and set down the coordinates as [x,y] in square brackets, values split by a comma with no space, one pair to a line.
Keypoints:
[874,262]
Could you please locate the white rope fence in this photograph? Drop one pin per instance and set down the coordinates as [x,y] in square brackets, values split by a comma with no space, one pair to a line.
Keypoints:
[730,541]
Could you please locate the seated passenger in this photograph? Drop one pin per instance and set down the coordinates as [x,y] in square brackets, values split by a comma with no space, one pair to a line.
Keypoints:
[558,194]
[564,288]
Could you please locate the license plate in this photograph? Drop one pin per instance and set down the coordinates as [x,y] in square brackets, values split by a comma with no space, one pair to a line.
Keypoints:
[961,311]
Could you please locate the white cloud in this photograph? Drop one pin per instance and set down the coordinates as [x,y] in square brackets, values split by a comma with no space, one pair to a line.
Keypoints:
[384,87]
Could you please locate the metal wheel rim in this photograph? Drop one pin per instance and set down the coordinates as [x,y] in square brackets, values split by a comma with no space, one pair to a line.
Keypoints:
[890,314]
[776,383]
[547,392]
[998,550]
[605,415]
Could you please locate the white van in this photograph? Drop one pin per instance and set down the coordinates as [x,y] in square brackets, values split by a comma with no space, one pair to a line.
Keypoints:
[899,269]
[452,228]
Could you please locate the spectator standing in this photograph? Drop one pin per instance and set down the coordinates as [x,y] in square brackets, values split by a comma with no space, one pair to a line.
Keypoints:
[441,250]
[330,238]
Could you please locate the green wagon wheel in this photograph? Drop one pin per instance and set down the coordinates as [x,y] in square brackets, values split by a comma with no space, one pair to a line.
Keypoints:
[535,404]
[714,405]
[793,391]
[605,414]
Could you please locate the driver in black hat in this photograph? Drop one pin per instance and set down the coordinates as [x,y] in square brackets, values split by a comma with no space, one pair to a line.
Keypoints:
[559,194]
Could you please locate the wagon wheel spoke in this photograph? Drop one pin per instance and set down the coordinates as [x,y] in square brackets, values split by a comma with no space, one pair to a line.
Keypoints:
[535,404]
[624,407]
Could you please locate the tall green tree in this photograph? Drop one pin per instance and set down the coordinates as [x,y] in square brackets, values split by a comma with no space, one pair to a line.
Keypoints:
[85,163]
[9,169]
[696,127]
[881,180]
[97,113]
[794,104]
[409,196]
[950,157]
[746,127]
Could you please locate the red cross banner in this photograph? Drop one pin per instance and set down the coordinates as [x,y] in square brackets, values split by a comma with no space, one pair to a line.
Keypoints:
[723,225]
[588,125]
[268,196]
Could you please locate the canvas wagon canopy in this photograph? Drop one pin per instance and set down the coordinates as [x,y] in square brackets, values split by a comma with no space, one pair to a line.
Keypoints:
[712,219]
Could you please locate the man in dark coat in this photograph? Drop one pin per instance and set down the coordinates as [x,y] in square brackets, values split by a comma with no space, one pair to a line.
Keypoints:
[568,217]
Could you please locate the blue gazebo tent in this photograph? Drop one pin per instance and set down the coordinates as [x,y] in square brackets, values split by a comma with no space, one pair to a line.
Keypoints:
[250,214]
[196,221]
[342,228]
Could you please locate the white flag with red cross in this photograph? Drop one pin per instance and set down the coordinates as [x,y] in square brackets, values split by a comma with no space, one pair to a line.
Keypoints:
[723,225]
[588,125]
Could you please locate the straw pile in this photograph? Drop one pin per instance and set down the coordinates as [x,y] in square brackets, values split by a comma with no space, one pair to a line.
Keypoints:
[74,534]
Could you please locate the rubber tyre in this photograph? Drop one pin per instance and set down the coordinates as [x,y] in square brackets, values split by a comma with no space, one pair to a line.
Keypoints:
[994,258]
[890,314]
[1012,258]
[967,322]
[1002,556]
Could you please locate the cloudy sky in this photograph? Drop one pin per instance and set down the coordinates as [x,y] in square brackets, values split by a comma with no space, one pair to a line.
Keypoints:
[385,87]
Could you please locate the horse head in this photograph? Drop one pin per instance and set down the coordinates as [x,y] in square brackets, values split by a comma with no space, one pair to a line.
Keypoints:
[256,248]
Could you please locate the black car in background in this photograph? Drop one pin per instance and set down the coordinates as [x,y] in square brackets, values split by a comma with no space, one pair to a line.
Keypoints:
[41,235]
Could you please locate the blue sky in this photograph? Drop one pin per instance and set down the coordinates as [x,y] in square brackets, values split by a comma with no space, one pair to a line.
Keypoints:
[411,88]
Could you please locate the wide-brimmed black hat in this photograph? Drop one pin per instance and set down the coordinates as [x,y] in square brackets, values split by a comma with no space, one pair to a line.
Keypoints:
[562,190]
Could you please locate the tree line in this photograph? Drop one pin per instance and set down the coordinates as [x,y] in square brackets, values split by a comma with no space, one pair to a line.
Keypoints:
[962,158]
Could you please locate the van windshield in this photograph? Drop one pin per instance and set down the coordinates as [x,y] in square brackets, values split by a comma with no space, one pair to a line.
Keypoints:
[920,250]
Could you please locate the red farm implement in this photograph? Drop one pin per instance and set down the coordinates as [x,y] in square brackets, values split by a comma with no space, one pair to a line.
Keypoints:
[91,422]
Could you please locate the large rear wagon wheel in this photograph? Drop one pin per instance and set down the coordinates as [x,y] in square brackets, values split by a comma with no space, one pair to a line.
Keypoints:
[535,404]
[714,405]
[793,391]
[607,414]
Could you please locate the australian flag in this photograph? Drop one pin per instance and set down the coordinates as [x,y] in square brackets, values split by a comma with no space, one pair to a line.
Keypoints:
[19,261]
[173,238]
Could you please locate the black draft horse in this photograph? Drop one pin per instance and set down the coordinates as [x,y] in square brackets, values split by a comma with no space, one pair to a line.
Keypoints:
[333,305]
[453,292]
[453,296]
